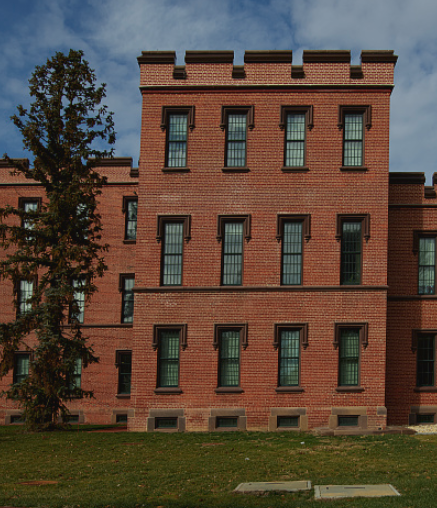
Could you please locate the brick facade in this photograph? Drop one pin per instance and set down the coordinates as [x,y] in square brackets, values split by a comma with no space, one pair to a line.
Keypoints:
[204,193]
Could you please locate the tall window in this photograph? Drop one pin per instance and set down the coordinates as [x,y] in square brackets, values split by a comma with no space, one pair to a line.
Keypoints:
[25,293]
[172,253]
[21,367]
[229,358]
[295,140]
[75,378]
[130,207]
[353,139]
[29,206]
[236,140]
[168,358]
[77,308]
[232,273]
[425,360]
[124,365]
[127,282]
[351,253]
[177,140]
[427,266]
[349,357]
[289,349]
[291,272]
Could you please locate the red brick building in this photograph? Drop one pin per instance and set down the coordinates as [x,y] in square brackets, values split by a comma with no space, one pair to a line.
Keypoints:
[266,232]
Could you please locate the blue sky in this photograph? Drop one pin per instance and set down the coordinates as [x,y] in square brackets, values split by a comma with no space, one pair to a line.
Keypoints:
[112,33]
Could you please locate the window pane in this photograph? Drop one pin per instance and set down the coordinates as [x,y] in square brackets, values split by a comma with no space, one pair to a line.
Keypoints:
[289,358]
[236,140]
[131,220]
[353,140]
[124,373]
[295,140]
[168,359]
[349,356]
[128,300]
[172,254]
[425,361]
[351,253]
[78,307]
[21,367]
[24,296]
[233,253]
[229,359]
[292,253]
[75,379]
[177,141]
[426,266]
[29,207]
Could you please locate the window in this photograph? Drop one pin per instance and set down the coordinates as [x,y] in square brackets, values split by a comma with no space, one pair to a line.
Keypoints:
[289,338]
[21,367]
[226,422]
[287,421]
[236,120]
[76,375]
[29,206]
[166,423]
[229,339]
[127,282]
[130,208]
[291,229]
[347,421]
[168,340]
[232,230]
[24,296]
[124,366]
[349,357]
[77,307]
[352,120]
[350,230]
[427,265]
[172,231]
[294,121]
[425,360]
[176,121]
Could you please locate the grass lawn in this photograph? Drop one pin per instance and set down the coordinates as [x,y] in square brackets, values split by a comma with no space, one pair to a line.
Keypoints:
[127,470]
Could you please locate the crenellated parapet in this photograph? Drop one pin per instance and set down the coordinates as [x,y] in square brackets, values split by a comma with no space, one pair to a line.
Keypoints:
[266,68]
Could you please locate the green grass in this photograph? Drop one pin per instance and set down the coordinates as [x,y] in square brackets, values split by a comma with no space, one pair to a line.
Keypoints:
[130,470]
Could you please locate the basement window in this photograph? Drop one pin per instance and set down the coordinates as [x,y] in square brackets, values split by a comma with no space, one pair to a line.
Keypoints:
[226,422]
[285,422]
[166,423]
[347,421]
[424,419]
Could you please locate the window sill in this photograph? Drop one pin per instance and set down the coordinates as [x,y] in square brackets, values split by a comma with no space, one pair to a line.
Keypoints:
[289,389]
[295,169]
[168,391]
[235,169]
[123,396]
[229,389]
[430,389]
[176,170]
[129,242]
[349,389]
[354,168]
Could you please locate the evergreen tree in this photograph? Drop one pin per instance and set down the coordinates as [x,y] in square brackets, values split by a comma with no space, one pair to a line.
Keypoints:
[53,252]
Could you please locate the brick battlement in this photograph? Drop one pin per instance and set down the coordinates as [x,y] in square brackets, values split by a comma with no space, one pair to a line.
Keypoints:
[265,68]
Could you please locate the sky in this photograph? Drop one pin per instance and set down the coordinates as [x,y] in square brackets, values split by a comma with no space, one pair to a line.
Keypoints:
[112,34]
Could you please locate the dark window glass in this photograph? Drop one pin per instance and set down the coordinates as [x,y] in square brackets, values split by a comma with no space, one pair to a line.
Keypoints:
[292,253]
[166,423]
[18,419]
[21,367]
[226,422]
[75,378]
[236,140]
[287,421]
[229,358]
[30,207]
[127,299]
[233,254]
[131,219]
[289,347]
[295,140]
[351,253]
[121,418]
[124,372]
[172,253]
[347,421]
[77,309]
[353,140]
[423,419]
[426,266]
[349,356]
[425,360]
[168,359]
[177,140]
[25,293]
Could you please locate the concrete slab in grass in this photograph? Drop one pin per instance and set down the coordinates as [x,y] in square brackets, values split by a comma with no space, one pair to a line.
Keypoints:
[262,487]
[341,491]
